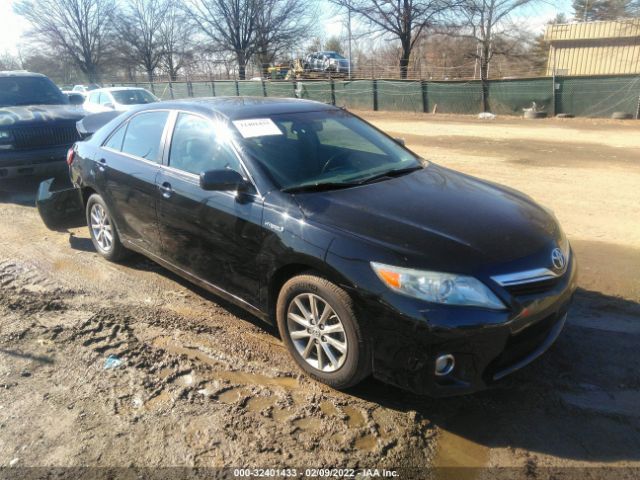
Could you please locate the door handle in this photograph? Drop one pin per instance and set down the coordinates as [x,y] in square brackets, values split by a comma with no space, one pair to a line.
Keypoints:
[101,164]
[166,189]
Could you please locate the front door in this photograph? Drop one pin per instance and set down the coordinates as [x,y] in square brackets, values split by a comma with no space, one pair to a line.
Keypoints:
[213,235]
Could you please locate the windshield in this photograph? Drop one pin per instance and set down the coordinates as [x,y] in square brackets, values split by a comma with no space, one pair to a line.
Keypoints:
[331,148]
[16,91]
[133,97]
[335,55]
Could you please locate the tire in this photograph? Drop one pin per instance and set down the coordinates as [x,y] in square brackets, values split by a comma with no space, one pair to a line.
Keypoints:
[534,115]
[349,367]
[113,250]
[621,116]
[565,115]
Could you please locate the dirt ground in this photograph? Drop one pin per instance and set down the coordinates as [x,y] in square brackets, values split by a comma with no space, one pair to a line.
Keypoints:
[204,384]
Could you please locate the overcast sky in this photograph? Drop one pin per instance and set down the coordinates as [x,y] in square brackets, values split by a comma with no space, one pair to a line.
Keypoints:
[533,18]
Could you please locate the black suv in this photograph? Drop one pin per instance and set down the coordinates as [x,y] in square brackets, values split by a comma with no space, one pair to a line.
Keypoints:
[37,124]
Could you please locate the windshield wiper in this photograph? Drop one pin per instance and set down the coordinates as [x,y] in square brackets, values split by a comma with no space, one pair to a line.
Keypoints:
[390,173]
[319,187]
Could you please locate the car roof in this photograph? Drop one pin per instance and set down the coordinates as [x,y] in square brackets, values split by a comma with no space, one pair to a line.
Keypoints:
[115,89]
[20,73]
[242,107]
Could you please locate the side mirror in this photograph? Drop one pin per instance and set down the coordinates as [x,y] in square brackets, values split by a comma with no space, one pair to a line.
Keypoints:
[222,180]
[75,98]
[109,105]
[399,141]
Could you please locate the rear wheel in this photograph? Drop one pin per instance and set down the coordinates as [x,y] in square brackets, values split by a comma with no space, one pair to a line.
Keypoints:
[317,323]
[104,234]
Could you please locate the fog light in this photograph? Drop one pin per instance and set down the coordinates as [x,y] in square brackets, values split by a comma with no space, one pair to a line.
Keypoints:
[445,365]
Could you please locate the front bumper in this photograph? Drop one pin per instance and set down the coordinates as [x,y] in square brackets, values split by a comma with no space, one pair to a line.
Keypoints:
[487,345]
[38,161]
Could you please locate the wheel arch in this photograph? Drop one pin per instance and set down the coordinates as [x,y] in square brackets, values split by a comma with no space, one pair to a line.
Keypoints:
[285,272]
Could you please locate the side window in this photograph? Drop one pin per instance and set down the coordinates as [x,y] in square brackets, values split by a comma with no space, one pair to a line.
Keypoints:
[143,135]
[196,148]
[104,98]
[93,98]
[115,141]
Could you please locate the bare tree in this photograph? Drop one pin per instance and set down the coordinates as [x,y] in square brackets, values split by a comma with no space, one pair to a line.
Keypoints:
[485,21]
[139,26]
[403,19]
[176,31]
[230,25]
[334,44]
[80,28]
[9,62]
[281,24]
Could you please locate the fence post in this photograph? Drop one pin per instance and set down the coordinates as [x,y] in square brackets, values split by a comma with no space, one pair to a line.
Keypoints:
[171,88]
[638,109]
[189,88]
[237,88]
[295,92]
[332,83]
[425,98]
[264,88]
[213,88]
[375,95]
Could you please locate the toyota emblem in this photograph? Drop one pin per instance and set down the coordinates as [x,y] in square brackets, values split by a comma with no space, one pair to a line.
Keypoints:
[557,258]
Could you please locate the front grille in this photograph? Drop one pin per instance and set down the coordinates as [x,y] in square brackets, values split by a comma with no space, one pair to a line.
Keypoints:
[532,288]
[45,136]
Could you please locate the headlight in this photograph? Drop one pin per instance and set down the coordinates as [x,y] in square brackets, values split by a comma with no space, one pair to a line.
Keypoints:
[436,287]
[6,139]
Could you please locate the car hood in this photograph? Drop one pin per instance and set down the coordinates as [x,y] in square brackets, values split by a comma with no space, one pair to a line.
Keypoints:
[436,214]
[38,114]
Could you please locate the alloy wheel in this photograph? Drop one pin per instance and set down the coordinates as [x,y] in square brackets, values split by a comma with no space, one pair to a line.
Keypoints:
[317,332]
[101,227]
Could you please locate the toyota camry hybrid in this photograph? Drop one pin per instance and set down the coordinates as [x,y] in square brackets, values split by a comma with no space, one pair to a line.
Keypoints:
[369,259]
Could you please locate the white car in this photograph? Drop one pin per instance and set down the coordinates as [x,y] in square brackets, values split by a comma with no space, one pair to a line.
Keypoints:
[119,99]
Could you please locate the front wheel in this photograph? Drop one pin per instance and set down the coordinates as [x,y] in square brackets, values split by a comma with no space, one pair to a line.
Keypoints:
[102,229]
[318,325]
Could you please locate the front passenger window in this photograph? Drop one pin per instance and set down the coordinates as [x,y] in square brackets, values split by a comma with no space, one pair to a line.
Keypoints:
[196,147]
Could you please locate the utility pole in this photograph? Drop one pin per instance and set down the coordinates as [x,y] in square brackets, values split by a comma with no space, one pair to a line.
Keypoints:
[349,33]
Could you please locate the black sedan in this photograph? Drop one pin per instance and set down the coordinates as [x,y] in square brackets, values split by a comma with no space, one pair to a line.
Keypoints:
[369,259]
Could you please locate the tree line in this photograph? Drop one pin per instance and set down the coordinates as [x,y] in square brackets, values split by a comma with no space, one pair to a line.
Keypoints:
[98,37]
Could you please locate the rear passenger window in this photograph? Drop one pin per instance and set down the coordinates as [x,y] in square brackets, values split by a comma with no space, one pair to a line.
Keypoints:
[143,135]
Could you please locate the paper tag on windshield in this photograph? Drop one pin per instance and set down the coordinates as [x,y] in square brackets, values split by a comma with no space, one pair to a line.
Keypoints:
[257,127]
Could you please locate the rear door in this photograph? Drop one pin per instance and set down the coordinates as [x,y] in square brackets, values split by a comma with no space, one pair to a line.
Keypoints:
[214,235]
[129,164]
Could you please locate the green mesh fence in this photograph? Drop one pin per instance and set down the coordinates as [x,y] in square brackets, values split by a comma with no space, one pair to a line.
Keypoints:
[580,96]
[282,89]
[162,91]
[251,88]
[180,90]
[201,89]
[317,90]
[454,97]
[509,97]
[597,97]
[225,88]
[400,96]
[356,94]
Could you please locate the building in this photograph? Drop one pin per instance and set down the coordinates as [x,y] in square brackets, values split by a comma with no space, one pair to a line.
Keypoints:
[594,48]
